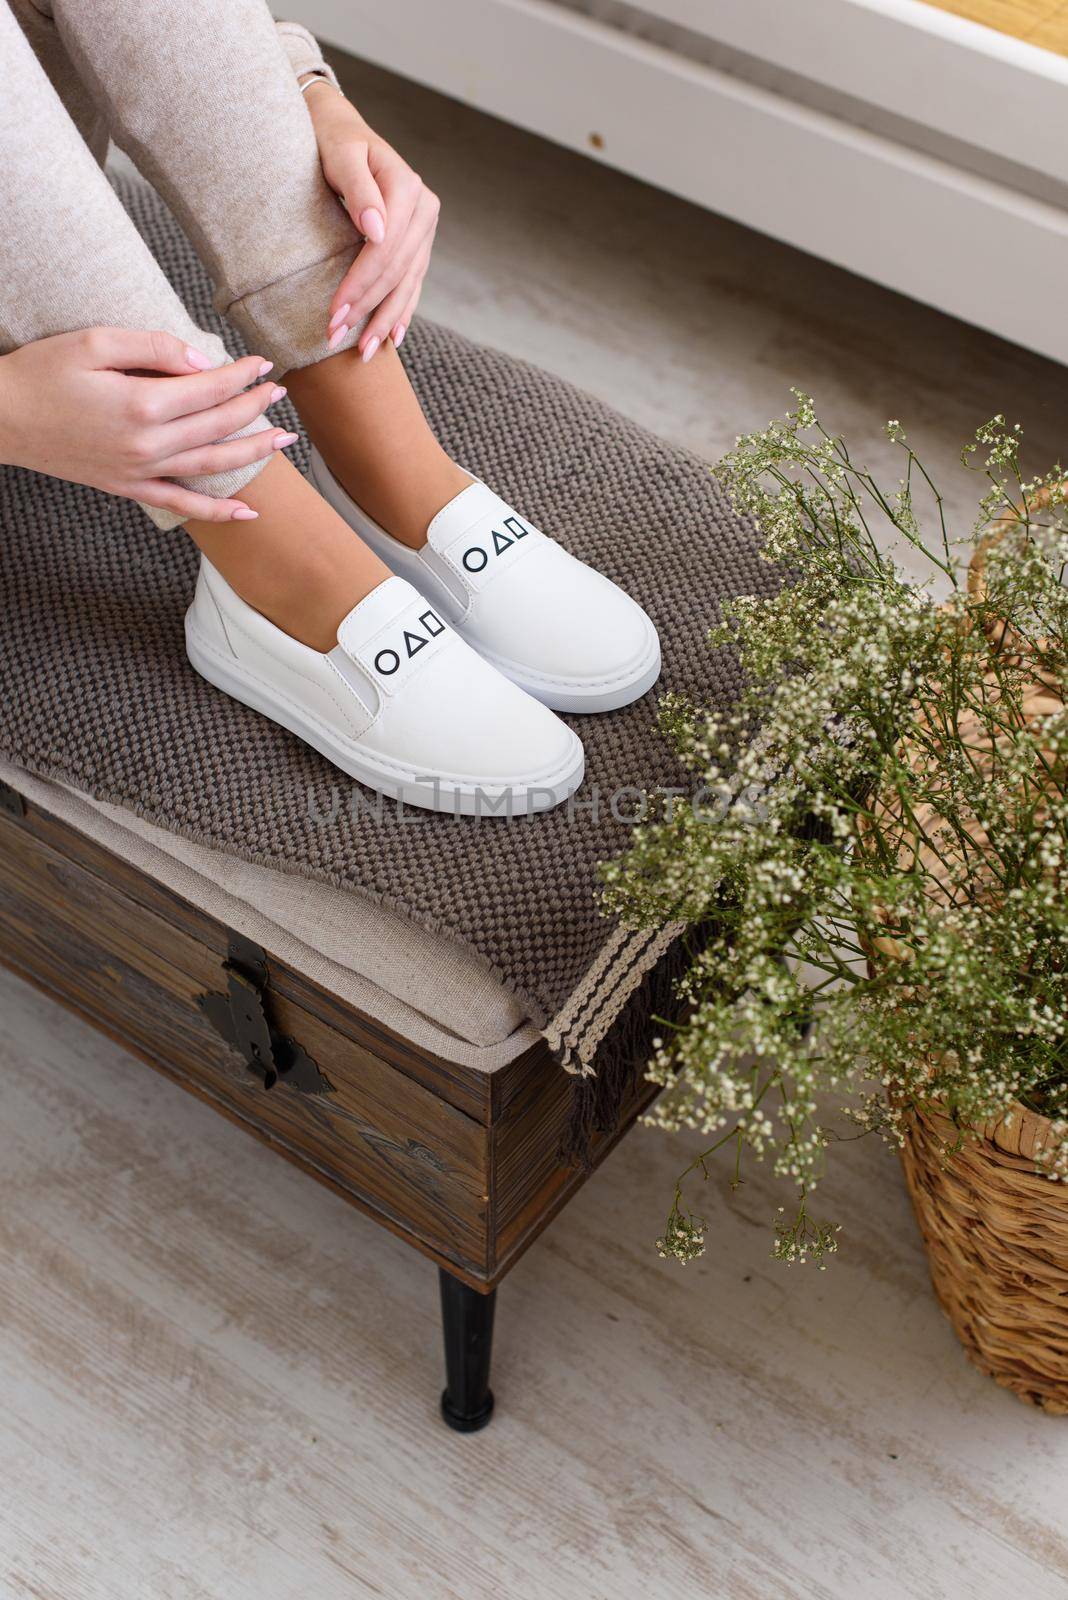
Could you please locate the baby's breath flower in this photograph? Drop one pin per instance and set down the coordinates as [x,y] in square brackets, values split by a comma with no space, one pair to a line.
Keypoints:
[684,1237]
[885,793]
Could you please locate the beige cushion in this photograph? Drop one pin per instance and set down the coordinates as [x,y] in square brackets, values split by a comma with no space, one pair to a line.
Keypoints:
[424,987]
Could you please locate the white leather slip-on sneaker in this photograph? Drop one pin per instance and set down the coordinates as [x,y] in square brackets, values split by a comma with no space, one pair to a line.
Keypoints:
[561,631]
[401,703]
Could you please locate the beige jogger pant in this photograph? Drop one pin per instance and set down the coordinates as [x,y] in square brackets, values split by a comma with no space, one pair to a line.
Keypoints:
[203,97]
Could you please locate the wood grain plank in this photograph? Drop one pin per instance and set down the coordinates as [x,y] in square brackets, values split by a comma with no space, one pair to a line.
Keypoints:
[217,1380]
[531,1182]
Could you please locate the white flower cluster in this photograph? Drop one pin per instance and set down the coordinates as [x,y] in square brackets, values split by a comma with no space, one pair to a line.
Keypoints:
[878,910]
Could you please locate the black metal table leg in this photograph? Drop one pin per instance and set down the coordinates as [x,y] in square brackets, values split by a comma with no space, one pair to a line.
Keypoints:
[467,1319]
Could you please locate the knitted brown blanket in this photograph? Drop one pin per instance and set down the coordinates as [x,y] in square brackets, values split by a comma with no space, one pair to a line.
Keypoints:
[95,688]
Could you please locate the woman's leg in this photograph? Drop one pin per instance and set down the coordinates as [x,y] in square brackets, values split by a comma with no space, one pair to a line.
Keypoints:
[370,428]
[202,97]
[298,564]
[70,257]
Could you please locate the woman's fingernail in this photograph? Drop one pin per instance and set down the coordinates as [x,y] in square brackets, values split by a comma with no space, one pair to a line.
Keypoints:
[200,362]
[283,441]
[277,393]
[398,335]
[370,348]
[265,367]
[243,514]
[339,316]
[337,336]
[372,225]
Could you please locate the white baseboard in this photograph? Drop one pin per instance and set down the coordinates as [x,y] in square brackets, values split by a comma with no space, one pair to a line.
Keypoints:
[968,245]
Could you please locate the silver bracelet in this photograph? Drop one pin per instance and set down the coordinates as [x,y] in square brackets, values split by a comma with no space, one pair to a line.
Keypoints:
[320,77]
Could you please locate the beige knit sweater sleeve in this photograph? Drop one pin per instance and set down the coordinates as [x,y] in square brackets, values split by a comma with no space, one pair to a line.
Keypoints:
[303,51]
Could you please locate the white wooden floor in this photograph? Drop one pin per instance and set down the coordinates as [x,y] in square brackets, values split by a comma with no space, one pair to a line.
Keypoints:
[218,1383]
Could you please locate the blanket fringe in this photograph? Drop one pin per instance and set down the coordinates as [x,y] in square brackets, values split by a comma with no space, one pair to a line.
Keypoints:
[600,1094]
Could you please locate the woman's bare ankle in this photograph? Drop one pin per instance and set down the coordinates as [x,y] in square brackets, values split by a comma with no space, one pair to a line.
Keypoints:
[297,563]
[369,427]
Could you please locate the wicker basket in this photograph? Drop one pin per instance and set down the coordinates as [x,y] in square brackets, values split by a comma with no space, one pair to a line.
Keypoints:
[996,1232]
[995,1227]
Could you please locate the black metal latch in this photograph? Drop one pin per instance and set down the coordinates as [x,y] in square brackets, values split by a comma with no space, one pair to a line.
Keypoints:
[240,1015]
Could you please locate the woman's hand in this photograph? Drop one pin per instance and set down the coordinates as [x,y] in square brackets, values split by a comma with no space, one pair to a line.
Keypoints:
[394,210]
[84,406]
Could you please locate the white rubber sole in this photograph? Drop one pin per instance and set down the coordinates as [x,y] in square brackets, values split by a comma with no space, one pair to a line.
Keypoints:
[456,797]
[575,699]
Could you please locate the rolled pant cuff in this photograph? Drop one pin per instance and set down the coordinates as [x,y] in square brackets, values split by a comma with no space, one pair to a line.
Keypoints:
[220,485]
[286,321]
